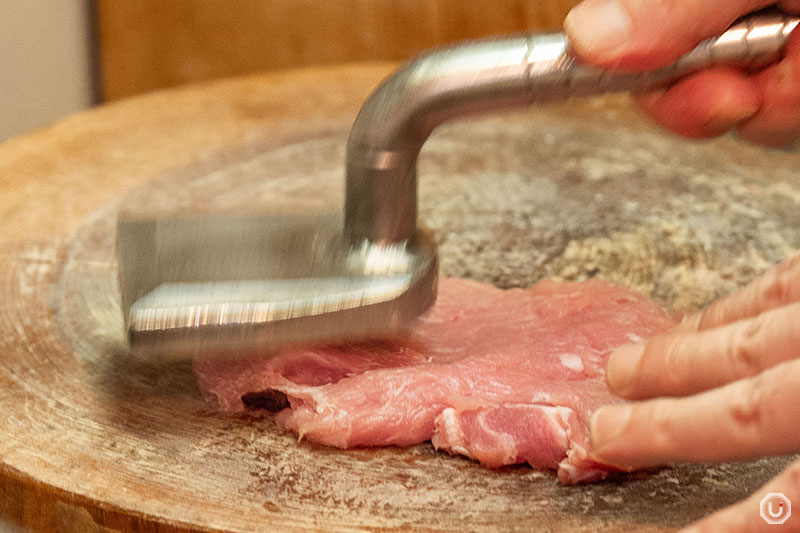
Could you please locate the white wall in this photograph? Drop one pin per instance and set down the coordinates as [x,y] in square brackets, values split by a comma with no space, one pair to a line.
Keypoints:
[45,62]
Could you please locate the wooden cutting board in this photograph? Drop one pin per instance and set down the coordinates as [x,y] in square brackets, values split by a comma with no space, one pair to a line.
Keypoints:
[95,440]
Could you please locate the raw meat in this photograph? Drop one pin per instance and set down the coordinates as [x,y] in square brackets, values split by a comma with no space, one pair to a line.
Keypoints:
[501,376]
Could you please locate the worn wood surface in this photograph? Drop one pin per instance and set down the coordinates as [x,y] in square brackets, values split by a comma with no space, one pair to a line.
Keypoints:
[151,44]
[94,440]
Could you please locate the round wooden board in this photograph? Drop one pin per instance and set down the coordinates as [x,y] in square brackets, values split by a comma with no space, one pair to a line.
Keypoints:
[95,440]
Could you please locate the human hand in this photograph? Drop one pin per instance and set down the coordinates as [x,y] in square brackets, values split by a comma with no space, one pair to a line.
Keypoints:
[763,106]
[727,383]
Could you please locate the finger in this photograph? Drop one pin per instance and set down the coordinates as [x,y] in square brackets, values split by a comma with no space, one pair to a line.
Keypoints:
[680,364]
[748,418]
[777,122]
[642,34]
[706,104]
[778,287]
[790,6]
[746,516]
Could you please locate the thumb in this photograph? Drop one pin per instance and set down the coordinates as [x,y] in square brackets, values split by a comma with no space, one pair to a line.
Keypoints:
[646,34]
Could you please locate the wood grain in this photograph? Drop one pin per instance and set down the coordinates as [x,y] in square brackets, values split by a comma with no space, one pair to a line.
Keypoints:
[152,44]
[95,440]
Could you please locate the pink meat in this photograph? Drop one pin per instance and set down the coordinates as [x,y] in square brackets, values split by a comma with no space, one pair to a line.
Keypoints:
[501,376]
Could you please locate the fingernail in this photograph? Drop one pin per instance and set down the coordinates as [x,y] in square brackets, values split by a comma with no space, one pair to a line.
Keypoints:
[607,424]
[598,29]
[623,366]
[724,117]
[689,324]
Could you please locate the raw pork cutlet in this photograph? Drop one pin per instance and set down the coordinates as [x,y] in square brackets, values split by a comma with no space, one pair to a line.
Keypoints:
[501,376]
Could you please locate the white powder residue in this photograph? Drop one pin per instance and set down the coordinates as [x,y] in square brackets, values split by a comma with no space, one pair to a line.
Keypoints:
[634,338]
[571,361]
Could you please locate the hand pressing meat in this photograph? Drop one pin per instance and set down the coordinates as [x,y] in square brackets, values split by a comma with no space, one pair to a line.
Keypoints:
[763,106]
[734,370]
[729,382]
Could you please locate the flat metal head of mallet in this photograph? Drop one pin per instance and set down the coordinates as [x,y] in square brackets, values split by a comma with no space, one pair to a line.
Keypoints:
[218,285]
[214,285]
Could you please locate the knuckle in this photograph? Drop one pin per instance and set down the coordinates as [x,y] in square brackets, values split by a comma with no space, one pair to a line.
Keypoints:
[783,285]
[744,351]
[793,475]
[661,418]
[671,374]
[746,408]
